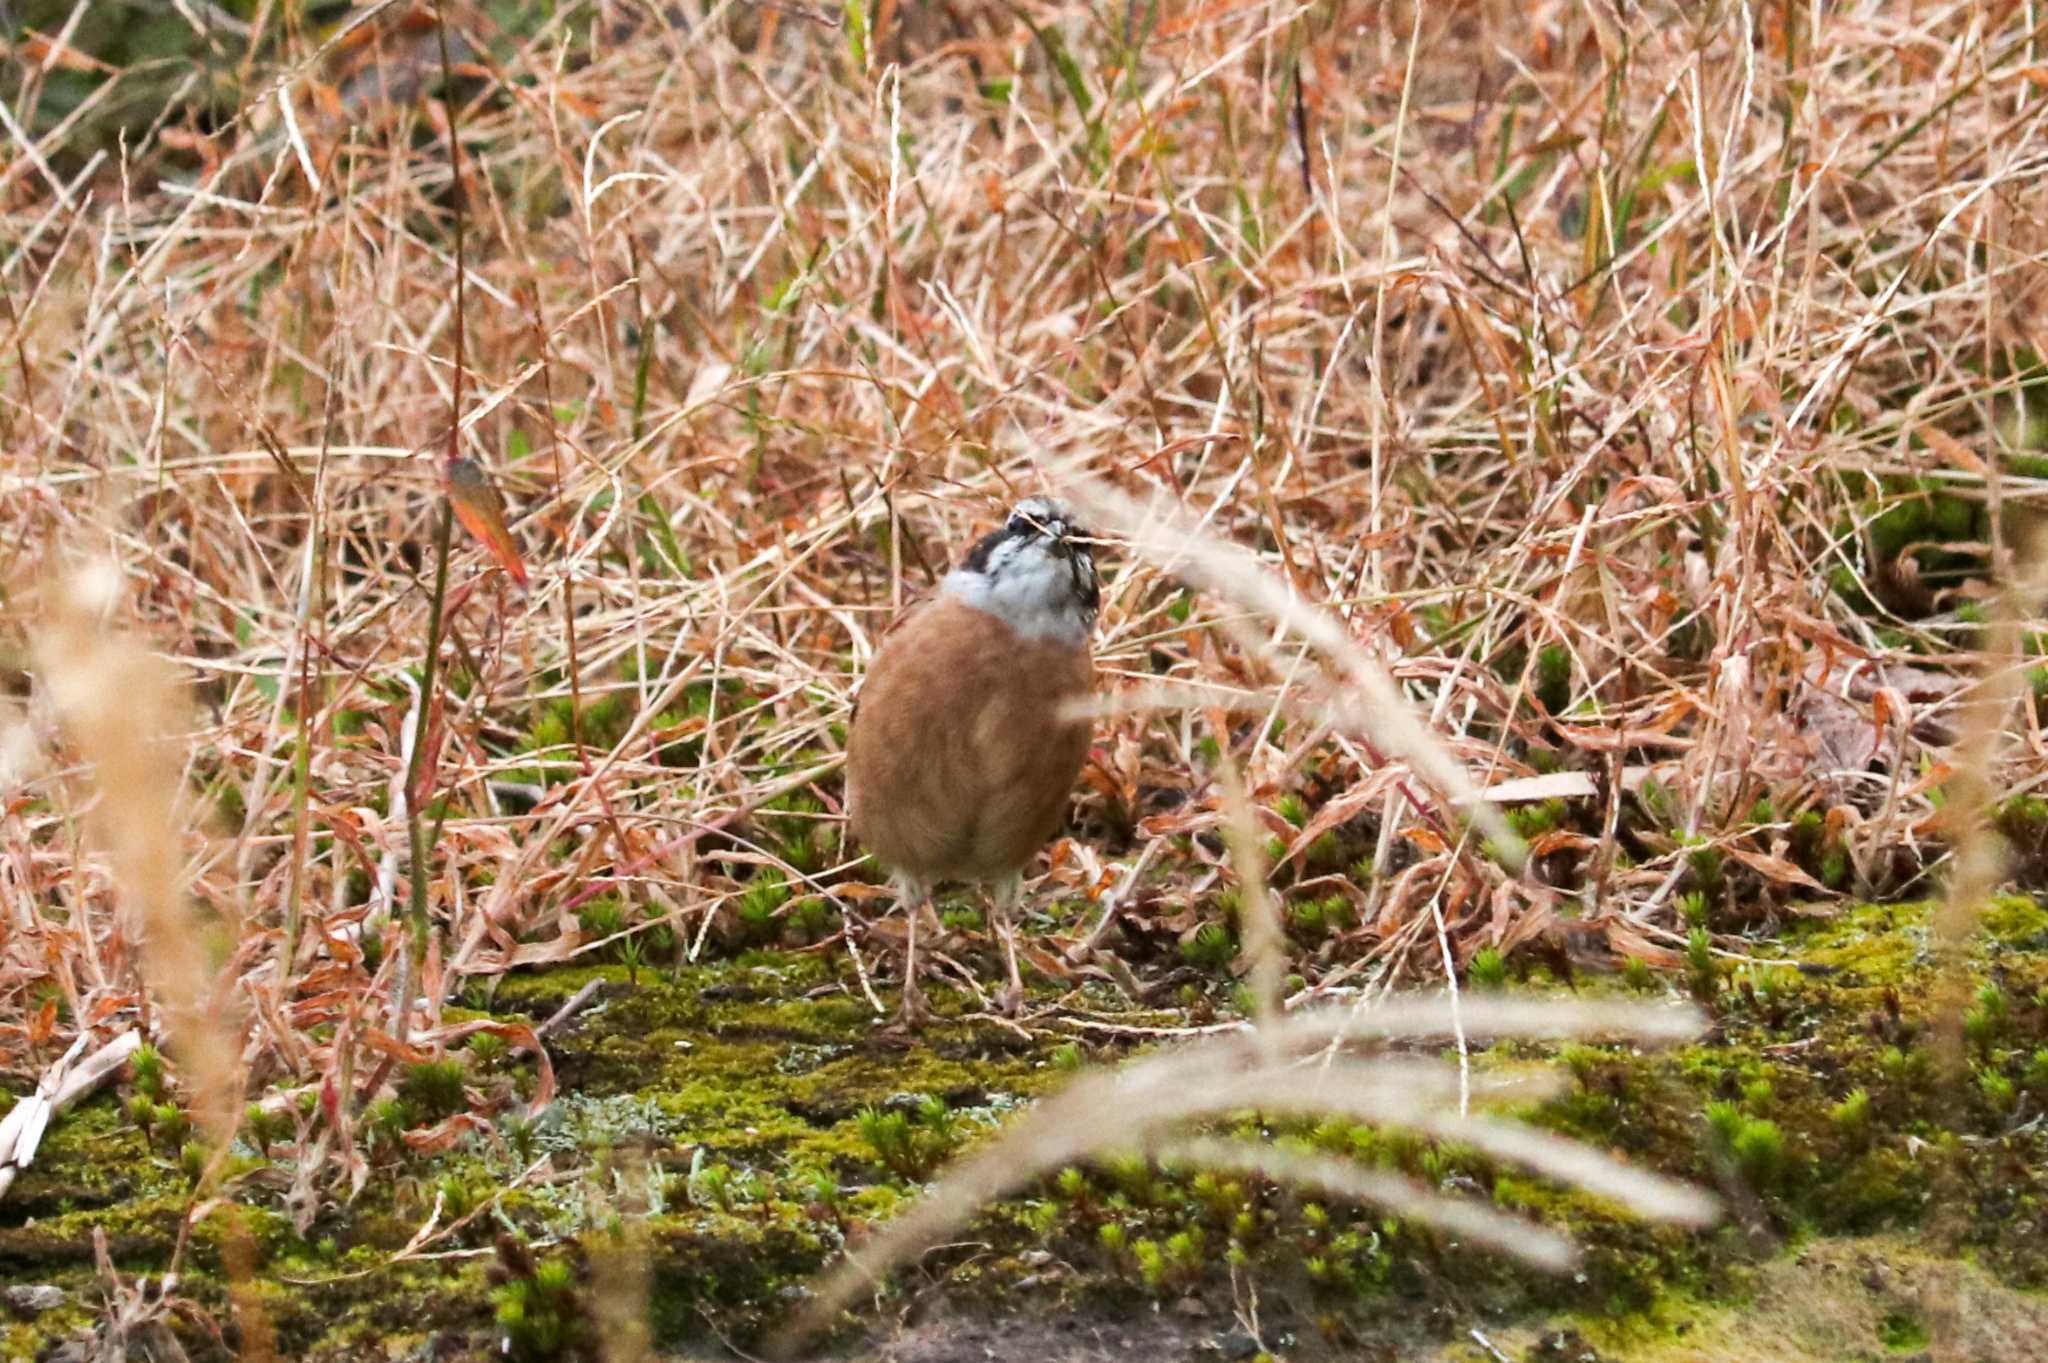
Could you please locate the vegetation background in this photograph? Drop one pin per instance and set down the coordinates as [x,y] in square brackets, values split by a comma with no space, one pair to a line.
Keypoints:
[1654,391]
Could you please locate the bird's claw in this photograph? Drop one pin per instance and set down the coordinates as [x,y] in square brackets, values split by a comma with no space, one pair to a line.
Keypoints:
[913,1012]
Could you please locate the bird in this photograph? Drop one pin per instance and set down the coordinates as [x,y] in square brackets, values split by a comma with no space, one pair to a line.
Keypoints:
[962,755]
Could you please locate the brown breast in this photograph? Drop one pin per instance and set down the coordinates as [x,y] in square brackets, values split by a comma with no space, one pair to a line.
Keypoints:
[957,767]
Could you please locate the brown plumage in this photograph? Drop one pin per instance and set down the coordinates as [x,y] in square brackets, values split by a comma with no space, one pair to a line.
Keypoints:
[957,767]
[960,765]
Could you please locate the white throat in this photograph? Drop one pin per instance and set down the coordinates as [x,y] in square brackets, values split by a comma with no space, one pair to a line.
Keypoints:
[1031,590]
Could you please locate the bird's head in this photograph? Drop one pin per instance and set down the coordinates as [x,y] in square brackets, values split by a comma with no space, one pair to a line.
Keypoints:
[1035,574]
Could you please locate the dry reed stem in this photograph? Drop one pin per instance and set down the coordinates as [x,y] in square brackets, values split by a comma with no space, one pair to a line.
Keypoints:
[1402,1196]
[1977,865]
[74,1076]
[1272,1069]
[1978,861]
[1159,532]
[1262,930]
[123,712]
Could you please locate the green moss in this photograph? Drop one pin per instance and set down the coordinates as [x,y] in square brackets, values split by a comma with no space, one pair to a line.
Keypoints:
[1488,969]
[1903,1331]
[1209,946]
[433,1089]
[752,1105]
[1553,678]
[540,1315]
[1531,821]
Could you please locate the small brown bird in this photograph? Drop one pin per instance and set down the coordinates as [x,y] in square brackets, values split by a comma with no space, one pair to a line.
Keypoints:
[960,764]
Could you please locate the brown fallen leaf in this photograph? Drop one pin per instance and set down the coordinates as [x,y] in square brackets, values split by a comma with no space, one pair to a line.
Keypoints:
[1775,868]
[1656,734]
[1425,839]
[1843,739]
[50,53]
[440,1138]
[478,505]
[1952,450]
[1917,684]
[1560,840]
[1624,938]
[1340,810]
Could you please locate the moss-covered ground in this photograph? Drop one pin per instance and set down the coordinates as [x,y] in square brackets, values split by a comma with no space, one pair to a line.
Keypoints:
[723,1129]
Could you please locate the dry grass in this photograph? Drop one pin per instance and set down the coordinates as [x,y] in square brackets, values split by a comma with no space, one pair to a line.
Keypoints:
[1592,373]
[122,709]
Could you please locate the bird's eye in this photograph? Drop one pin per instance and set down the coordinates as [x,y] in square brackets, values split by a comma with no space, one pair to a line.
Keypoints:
[1035,519]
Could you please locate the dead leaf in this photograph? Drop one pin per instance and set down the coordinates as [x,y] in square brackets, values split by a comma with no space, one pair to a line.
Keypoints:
[1556,785]
[49,53]
[1843,740]
[1339,810]
[442,1137]
[1917,684]
[478,505]
[1775,868]
[1561,840]
[1626,939]
[1952,450]
[1425,839]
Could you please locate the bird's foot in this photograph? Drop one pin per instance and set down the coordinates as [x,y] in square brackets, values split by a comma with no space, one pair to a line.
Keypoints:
[1009,1000]
[913,1013]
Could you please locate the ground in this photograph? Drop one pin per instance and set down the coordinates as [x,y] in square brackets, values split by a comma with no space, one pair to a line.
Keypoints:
[759,1113]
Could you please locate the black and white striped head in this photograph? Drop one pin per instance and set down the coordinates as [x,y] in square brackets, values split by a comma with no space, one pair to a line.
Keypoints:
[1035,574]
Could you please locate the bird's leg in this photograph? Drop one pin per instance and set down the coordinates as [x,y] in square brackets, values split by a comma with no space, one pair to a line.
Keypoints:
[1007,892]
[913,1013]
